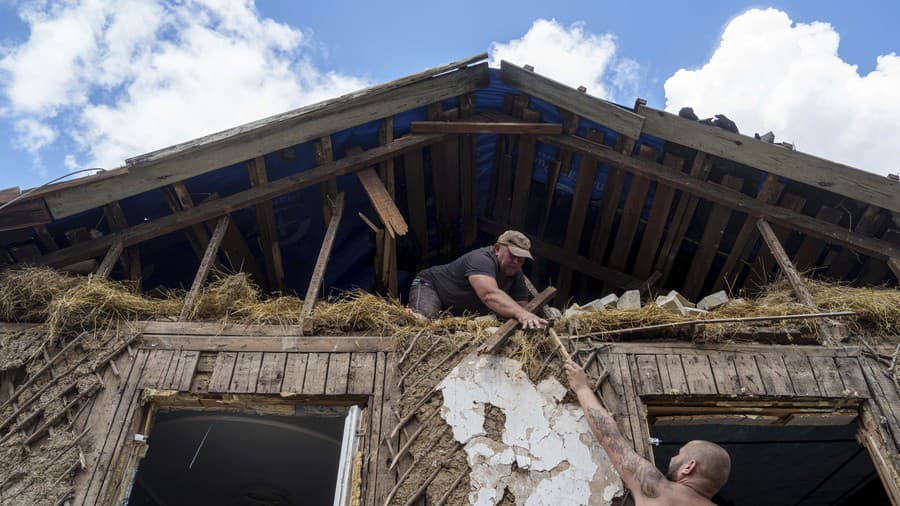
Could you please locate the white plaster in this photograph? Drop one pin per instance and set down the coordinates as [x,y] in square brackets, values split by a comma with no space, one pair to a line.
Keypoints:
[558,461]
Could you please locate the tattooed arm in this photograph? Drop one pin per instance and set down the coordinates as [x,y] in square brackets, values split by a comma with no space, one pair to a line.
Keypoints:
[640,476]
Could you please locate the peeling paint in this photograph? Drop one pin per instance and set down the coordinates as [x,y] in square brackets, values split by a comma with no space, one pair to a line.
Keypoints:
[547,455]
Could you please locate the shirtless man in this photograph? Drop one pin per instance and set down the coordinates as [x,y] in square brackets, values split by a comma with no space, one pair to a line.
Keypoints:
[695,475]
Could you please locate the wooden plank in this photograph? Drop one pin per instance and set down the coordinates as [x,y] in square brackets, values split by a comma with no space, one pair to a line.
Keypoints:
[600,111]
[639,426]
[881,448]
[382,202]
[681,219]
[709,243]
[362,373]
[117,221]
[338,372]
[318,274]
[205,265]
[769,192]
[733,199]
[381,479]
[25,213]
[157,365]
[294,372]
[218,207]
[690,347]
[324,153]
[522,182]
[220,380]
[698,373]
[578,209]
[886,398]
[852,376]
[876,270]
[246,372]
[316,374]
[631,214]
[801,167]
[578,263]
[811,248]
[749,374]
[651,239]
[827,376]
[268,232]
[801,373]
[196,234]
[109,260]
[386,168]
[468,169]
[499,337]
[185,374]
[612,392]
[415,197]
[774,374]
[648,374]
[677,378]
[45,238]
[271,373]
[304,344]
[502,201]
[764,264]
[725,373]
[484,127]
[245,142]
[869,224]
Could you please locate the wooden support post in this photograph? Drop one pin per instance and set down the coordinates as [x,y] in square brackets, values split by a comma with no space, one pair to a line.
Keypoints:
[268,232]
[800,290]
[315,282]
[205,264]
[502,334]
[130,260]
[109,260]
[328,189]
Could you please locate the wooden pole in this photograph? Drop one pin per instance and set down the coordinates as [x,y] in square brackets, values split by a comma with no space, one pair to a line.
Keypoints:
[205,264]
[110,259]
[315,283]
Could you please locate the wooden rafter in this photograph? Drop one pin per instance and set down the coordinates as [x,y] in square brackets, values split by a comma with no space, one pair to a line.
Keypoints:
[239,144]
[381,200]
[764,264]
[268,232]
[131,257]
[659,214]
[318,275]
[106,266]
[210,210]
[631,214]
[868,224]
[468,172]
[205,265]
[178,199]
[828,331]
[612,192]
[730,198]
[328,190]
[522,182]
[415,197]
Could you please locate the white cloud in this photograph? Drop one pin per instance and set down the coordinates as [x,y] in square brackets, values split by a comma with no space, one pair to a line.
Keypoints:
[769,73]
[32,135]
[572,56]
[130,76]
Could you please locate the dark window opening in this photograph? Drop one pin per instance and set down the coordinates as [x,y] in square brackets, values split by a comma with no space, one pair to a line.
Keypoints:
[240,459]
[784,465]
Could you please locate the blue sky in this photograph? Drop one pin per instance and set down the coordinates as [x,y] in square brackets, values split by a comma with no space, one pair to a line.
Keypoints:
[151,73]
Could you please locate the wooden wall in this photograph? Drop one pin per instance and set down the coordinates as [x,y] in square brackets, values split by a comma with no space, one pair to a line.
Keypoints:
[642,377]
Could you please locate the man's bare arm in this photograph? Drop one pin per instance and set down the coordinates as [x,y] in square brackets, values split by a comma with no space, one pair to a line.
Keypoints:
[501,303]
[639,475]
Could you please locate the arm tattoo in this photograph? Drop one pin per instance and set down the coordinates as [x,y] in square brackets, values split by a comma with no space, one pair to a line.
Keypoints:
[644,473]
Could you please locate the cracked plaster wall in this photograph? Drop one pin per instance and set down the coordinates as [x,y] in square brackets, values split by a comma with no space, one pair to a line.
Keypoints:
[547,454]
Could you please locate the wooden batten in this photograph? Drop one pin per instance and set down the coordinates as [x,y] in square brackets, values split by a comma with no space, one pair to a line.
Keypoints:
[205,265]
[499,337]
[268,232]
[415,197]
[522,182]
[382,202]
[811,248]
[112,256]
[318,275]
[764,265]
[631,214]
[324,153]
[656,222]
[612,192]
[484,127]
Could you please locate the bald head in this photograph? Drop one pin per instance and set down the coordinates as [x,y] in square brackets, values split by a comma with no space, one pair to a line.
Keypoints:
[705,464]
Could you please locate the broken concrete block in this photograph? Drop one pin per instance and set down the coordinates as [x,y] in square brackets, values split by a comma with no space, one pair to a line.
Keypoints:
[573,310]
[713,300]
[692,311]
[671,303]
[552,312]
[629,300]
[601,304]
[684,301]
[609,300]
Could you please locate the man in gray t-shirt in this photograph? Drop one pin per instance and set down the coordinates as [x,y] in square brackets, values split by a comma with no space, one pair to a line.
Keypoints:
[485,280]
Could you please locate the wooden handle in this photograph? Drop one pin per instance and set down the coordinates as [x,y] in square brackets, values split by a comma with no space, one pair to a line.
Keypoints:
[562,349]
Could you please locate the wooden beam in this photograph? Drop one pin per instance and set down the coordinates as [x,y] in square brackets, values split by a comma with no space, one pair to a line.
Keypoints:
[894,265]
[612,193]
[296,343]
[499,337]
[109,260]
[386,168]
[600,111]
[522,182]
[764,263]
[415,197]
[382,202]
[29,212]
[240,200]
[324,153]
[869,223]
[631,214]
[811,248]
[468,171]
[790,272]
[131,257]
[484,127]
[769,192]
[205,264]
[576,262]
[268,232]
[733,199]
[237,251]
[709,242]
[817,172]
[239,144]
[315,282]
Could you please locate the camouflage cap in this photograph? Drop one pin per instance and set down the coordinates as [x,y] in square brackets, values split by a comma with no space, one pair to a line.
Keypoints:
[517,242]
